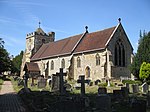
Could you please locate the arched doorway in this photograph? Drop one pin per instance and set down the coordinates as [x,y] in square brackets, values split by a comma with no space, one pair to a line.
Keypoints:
[87,72]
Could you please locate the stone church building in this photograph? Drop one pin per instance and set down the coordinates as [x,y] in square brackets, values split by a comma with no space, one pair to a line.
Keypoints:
[97,55]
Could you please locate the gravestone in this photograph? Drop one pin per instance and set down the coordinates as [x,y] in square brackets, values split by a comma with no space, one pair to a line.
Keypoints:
[103,103]
[145,87]
[41,82]
[125,91]
[82,81]
[135,88]
[55,83]
[102,90]
[58,82]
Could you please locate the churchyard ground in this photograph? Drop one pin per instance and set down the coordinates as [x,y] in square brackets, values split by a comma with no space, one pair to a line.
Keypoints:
[39,99]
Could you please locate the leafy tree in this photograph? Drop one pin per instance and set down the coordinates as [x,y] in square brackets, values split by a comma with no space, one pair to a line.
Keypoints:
[144,71]
[5,62]
[16,63]
[143,53]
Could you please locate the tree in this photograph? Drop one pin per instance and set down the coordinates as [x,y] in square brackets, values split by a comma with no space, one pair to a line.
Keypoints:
[5,62]
[144,71]
[16,63]
[143,53]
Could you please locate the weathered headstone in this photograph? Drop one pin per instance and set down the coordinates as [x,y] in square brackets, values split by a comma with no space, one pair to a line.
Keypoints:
[103,103]
[82,81]
[42,83]
[58,82]
[135,88]
[145,88]
[125,91]
[102,90]
[55,83]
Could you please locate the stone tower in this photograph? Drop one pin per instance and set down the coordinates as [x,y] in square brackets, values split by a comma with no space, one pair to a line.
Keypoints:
[34,41]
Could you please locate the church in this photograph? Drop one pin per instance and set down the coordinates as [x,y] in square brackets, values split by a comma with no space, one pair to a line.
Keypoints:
[97,55]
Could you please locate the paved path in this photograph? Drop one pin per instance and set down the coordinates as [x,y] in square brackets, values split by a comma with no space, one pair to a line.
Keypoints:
[9,100]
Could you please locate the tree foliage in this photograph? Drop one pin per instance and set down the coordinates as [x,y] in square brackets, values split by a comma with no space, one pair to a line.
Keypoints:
[143,53]
[144,71]
[5,62]
[16,63]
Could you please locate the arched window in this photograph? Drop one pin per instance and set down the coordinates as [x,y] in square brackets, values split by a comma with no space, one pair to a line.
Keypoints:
[62,63]
[52,65]
[78,62]
[97,59]
[119,54]
[87,72]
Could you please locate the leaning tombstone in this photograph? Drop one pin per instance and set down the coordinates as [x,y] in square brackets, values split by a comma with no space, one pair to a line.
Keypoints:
[145,88]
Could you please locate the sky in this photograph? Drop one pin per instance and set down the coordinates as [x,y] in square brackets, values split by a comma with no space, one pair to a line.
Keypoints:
[69,17]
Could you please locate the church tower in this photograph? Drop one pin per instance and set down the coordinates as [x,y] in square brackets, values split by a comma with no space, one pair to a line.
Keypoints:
[34,41]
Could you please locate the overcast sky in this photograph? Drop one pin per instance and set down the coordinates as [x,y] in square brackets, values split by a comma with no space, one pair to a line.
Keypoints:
[69,17]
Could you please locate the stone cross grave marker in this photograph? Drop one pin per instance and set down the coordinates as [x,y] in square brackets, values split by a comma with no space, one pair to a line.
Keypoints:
[25,78]
[42,82]
[61,83]
[145,87]
[82,81]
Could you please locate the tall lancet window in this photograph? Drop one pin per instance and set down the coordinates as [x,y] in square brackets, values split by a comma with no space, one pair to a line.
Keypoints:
[78,62]
[97,59]
[119,54]
[62,63]
[52,65]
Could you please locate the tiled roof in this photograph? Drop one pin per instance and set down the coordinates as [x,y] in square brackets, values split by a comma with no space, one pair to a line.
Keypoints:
[95,40]
[32,67]
[61,47]
[78,43]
